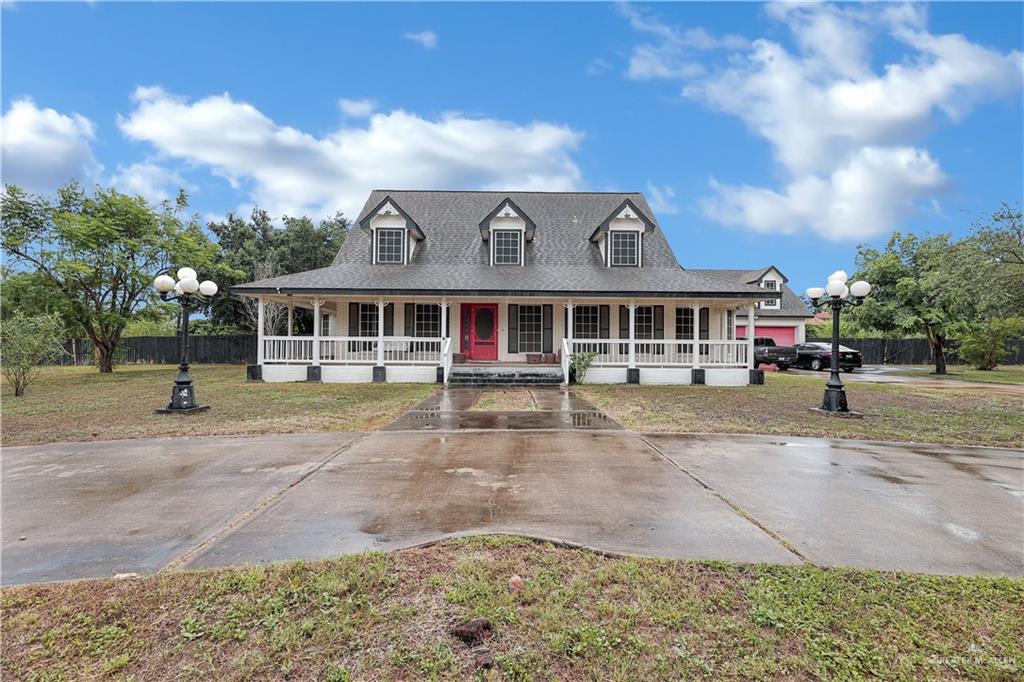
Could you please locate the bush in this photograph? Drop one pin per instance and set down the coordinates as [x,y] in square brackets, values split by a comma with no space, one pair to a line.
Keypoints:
[579,363]
[984,345]
[28,341]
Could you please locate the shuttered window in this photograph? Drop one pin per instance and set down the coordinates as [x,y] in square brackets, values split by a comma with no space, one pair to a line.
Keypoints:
[531,328]
[586,322]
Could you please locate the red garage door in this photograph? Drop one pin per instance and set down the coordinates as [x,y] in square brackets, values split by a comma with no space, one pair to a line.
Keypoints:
[784,336]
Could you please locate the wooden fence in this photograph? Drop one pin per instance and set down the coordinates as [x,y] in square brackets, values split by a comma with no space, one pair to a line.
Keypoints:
[242,350]
[917,352]
[142,350]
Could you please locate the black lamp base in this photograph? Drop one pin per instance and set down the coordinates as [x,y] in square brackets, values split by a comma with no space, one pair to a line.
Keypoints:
[182,410]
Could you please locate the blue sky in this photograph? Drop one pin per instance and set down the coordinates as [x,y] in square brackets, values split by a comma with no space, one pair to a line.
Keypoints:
[761,133]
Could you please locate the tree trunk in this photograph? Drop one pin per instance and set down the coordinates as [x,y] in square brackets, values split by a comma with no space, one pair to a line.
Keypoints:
[936,341]
[105,357]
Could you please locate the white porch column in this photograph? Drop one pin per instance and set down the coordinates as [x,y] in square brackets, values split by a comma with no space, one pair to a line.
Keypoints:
[632,335]
[260,325]
[380,332]
[570,312]
[696,335]
[291,310]
[316,330]
[750,336]
[444,316]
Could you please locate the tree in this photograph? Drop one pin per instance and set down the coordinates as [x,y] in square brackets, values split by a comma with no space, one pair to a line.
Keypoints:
[29,341]
[255,249]
[99,253]
[984,345]
[917,287]
[1000,279]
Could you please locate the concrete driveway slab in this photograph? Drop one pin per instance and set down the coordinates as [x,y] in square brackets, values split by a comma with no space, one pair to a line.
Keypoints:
[605,490]
[931,508]
[96,509]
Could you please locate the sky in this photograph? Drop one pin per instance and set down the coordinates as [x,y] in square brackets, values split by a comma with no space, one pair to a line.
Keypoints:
[760,133]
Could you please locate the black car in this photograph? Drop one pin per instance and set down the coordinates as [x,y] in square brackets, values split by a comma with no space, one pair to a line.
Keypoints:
[817,355]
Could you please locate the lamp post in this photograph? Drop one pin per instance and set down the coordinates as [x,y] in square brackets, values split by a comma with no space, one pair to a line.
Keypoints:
[836,295]
[186,291]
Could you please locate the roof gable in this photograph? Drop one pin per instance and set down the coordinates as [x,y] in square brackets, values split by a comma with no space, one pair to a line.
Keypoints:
[627,204]
[485,224]
[388,201]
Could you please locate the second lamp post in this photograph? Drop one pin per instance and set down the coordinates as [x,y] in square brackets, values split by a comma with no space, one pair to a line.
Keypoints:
[183,395]
[836,295]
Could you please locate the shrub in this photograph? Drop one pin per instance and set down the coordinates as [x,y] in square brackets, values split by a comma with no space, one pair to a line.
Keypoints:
[28,341]
[984,345]
[579,363]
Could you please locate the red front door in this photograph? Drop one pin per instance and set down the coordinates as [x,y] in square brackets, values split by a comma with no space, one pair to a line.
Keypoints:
[480,331]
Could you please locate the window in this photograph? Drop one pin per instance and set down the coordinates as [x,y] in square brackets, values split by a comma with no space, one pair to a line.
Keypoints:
[428,321]
[771,285]
[730,325]
[389,245]
[325,325]
[624,248]
[531,339]
[586,322]
[367,319]
[506,247]
[644,322]
[684,323]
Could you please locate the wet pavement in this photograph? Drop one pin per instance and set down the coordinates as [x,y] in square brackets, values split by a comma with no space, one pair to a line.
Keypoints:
[95,509]
[558,409]
[879,375]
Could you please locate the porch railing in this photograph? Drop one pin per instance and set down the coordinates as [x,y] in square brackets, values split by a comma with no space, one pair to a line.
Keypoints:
[354,350]
[284,349]
[660,352]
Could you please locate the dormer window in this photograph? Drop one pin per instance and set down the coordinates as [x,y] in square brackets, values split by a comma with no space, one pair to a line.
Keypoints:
[771,285]
[390,243]
[507,247]
[624,248]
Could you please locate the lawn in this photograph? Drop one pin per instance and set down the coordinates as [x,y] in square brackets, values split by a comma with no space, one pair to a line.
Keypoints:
[504,400]
[1008,374]
[892,412]
[579,615]
[78,403]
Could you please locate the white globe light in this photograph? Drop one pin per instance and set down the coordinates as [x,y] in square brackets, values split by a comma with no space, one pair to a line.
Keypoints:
[177,288]
[839,275]
[163,283]
[189,286]
[860,289]
[208,288]
[187,273]
[846,292]
[815,292]
[835,287]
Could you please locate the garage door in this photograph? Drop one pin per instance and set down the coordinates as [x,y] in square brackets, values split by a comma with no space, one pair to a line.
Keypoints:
[784,336]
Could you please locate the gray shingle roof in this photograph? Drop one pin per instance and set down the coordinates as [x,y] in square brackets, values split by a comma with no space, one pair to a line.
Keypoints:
[790,305]
[454,259]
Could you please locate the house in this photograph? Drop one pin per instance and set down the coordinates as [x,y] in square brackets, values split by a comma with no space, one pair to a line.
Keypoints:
[429,285]
[784,318]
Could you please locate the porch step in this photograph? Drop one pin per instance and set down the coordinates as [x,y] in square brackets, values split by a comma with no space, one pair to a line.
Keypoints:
[505,376]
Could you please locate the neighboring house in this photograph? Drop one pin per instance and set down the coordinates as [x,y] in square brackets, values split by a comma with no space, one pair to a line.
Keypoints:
[783,318]
[429,280]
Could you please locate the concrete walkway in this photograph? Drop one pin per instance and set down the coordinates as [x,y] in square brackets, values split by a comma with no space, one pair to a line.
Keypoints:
[96,509]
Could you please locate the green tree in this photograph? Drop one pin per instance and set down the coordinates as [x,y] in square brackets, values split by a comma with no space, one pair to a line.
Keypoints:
[984,345]
[29,341]
[255,249]
[998,281]
[99,253]
[917,287]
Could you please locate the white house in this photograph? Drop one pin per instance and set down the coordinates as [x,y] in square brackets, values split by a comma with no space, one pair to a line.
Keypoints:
[438,285]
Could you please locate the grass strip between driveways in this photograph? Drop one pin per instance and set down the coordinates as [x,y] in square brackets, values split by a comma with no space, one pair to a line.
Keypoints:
[1004,374]
[898,412]
[79,403]
[580,615]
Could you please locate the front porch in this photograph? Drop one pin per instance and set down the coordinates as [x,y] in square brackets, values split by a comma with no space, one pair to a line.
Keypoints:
[656,340]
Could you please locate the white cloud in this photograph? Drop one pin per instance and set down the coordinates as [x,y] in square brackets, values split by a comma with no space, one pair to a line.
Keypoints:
[151,180]
[427,39]
[44,149]
[840,130]
[357,108]
[866,196]
[597,66]
[673,54]
[286,170]
[662,199]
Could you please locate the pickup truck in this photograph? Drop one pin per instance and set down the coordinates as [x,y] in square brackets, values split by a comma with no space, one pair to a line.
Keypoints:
[767,353]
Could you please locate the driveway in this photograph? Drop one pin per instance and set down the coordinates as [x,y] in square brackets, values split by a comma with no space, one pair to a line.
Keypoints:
[562,471]
[879,374]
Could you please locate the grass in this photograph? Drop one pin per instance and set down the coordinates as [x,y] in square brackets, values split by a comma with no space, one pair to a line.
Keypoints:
[505,400]
[78,403]
[1008,374]
[892,412]
[580,615]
